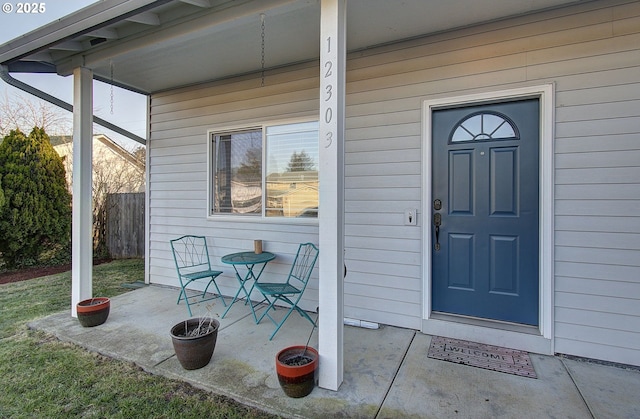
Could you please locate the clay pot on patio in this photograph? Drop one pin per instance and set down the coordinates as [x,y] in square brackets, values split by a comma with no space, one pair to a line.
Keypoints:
[296,368]
[93,311]
[194,341]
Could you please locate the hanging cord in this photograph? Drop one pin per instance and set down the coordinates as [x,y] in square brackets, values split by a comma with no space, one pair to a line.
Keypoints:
[111,75]
[262,16]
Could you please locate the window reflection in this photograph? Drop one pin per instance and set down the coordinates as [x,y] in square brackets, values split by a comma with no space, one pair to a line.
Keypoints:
[238,173]
[292,170]
[289,156]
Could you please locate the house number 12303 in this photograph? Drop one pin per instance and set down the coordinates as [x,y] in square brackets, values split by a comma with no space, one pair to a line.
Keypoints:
[328,95]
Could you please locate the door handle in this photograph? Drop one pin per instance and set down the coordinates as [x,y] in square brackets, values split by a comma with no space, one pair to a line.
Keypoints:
[437,221]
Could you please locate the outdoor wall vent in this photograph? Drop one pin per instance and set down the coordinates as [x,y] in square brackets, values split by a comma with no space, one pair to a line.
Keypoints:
[97,41]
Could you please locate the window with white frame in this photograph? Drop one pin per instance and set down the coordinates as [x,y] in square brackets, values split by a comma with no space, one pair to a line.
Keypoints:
[269,171]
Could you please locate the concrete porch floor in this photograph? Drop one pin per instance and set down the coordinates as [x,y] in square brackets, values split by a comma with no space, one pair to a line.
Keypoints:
[387,371]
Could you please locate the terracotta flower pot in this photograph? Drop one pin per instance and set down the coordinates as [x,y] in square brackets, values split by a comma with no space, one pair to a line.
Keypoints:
[296,369]
[195,351]
[93,311]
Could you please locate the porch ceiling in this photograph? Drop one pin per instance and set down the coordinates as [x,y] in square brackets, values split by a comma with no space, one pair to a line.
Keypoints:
[151,46]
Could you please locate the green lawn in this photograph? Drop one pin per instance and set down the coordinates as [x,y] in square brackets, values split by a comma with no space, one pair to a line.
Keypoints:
[41,377]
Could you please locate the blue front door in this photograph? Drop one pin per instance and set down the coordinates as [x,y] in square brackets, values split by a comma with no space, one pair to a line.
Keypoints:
[485,211]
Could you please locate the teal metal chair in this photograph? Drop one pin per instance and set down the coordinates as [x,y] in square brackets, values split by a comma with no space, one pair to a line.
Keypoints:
[191,256]
[289,293]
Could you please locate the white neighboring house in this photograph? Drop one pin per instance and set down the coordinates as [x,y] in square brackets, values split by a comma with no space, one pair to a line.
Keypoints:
[115,169]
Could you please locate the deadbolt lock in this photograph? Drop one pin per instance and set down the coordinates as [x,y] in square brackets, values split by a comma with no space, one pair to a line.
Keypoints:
[437,205]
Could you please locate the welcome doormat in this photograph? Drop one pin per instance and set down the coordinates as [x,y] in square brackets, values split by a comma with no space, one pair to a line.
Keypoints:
[479,355]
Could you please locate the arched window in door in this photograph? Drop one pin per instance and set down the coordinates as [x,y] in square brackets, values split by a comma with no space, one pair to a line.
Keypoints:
[484,126]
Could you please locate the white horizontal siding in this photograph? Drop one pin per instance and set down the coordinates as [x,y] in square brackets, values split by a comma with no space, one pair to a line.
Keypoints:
[590,51]
[594,61]
[597,206]
[626,224]
[178,173]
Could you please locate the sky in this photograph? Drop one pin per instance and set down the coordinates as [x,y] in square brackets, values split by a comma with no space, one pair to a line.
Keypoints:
[129,109]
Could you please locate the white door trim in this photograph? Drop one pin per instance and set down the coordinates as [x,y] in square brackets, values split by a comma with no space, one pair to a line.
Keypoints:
[541,342]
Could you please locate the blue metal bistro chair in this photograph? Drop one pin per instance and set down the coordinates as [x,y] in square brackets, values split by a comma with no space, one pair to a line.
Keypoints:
[289,293]
[191,256]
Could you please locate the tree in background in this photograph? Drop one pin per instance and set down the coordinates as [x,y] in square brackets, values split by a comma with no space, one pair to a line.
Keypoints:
[35,220]
[23,112]
[140,154]
[300,162]
[108,178]
[115,170]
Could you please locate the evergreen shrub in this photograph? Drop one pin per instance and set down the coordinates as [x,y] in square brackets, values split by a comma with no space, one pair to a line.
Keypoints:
[35,220]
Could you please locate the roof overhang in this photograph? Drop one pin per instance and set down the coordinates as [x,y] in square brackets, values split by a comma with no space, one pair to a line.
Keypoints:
[151,46]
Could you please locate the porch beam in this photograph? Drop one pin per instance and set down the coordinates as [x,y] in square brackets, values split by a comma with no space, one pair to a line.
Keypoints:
[81,232]
[331,214]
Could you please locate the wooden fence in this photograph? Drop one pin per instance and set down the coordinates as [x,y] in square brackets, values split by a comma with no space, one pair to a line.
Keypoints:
[125,225]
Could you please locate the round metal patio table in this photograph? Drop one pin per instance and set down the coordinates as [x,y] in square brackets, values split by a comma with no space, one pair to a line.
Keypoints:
[249,260]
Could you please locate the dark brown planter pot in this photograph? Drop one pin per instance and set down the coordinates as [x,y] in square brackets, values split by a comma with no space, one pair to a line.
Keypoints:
[93,311]
[194,352]
[297,380]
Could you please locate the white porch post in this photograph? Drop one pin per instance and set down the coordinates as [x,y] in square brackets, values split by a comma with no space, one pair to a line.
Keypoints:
[81,234]
[331,214]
